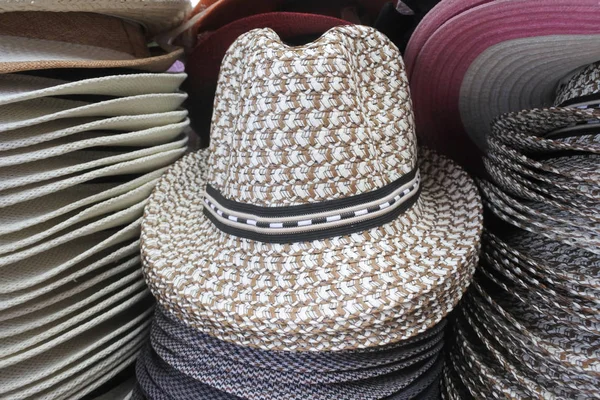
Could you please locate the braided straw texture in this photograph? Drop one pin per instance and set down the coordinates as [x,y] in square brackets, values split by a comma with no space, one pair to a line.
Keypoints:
[295,126]
[323,121]
[583,83]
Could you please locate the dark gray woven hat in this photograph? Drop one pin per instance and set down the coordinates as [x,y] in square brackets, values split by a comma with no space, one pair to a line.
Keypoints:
[185,363]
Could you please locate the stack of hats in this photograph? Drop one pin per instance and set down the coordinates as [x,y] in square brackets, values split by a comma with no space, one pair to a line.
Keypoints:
[313,250]
[530,326]
[469,61]
[89,120]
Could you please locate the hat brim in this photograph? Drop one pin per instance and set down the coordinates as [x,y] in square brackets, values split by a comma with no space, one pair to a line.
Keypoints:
[158,63]
[437,74]
[305,295]
[42,110]
[579,168]
[155,15]
[545,257]
[64,128]
[16,87]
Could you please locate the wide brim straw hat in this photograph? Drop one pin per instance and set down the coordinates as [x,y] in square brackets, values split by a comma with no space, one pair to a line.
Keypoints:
[458,90]
[19,87]
[87,34]
[384,279]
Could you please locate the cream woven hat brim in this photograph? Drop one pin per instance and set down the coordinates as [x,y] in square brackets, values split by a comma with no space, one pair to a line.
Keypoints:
[77,303]
[65,128]
[76,162]
[149,137]
[105,277]
[94,377]
[115,352]
[39,340]
[38,54]
[70,357]
[35,234]
[42,267]
[155,15]
[97,269]
[68,203]
[37,111]
[141,165]
[519,81]
[103,223]
[15,88]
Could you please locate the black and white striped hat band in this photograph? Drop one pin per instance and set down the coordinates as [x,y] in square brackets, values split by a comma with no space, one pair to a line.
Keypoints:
[313,221]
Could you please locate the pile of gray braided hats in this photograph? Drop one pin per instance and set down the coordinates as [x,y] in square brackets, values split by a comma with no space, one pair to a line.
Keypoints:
[530,325]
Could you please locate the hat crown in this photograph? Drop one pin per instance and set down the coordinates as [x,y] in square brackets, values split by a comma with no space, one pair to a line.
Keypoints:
[300,125]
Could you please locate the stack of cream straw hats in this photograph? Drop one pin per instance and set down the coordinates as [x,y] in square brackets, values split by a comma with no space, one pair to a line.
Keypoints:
[89,120]
[530,325]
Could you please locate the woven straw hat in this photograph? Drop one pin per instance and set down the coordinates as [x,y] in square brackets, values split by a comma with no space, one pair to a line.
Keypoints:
[529,327]
[16,87]
[70,358]
[313,184]
[38,111]
[155,15]
[82,127]
[50,34]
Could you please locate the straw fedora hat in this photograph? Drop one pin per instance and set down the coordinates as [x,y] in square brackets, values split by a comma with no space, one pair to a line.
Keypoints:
[52,34]
[313,184]
[458,90]
[19,87]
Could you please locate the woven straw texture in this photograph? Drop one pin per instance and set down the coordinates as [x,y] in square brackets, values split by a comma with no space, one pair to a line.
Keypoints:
[301,125]
[76,174]
[184,363]
[529,326]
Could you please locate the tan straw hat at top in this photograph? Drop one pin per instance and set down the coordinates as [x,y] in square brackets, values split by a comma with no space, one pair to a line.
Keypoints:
[47,34]
[155,15]
[313,222]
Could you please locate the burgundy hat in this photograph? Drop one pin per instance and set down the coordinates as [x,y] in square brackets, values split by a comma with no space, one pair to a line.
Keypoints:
[470,61]
[210,15]
[205,61]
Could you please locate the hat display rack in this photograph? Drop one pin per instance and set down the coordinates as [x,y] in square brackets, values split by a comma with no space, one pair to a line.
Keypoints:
[89,120]
[529,326]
